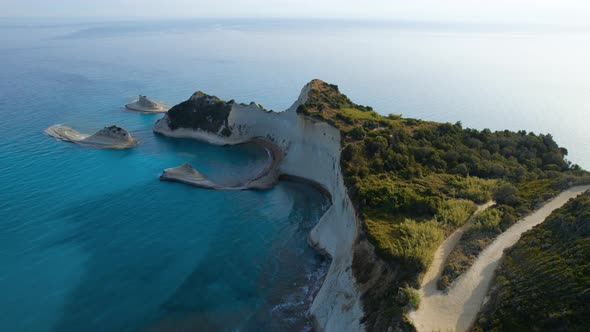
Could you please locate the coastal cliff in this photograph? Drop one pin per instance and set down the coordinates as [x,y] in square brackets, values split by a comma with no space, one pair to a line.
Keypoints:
[312,151]
[398,187]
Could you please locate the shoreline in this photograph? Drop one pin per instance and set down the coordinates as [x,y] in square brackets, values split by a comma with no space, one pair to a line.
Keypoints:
[312,151]
[267,177]
[146,106]
[275,156]
[97,140]
[458,307]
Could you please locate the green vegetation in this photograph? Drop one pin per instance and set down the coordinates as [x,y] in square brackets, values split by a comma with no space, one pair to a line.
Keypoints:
[411,241]
[543,283]
[513,203]
[485,227]
[409,297]
[201,111]
[413,182]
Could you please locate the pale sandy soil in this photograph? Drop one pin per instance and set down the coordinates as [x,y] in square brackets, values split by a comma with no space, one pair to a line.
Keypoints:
[457,309]
[440,256]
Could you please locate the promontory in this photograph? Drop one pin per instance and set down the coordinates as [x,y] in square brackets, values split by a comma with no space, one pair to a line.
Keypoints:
[399,187]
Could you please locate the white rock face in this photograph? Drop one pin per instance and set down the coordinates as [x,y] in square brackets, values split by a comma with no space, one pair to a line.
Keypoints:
[146,105]
[312,151]
[112,137]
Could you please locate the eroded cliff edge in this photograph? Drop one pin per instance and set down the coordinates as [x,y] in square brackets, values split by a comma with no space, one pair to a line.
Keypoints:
[312,150]
[411,183]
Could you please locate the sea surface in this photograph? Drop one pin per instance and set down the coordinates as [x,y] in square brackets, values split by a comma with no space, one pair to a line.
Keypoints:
[91,240]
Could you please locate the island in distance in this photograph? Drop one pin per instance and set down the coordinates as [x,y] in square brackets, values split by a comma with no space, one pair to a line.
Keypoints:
[145,105]
[112,137]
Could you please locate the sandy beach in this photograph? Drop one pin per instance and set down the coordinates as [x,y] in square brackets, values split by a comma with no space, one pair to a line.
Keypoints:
[457,309]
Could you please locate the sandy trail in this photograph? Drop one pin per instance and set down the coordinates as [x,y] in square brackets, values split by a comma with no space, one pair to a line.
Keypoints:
[429,286]
[457,309]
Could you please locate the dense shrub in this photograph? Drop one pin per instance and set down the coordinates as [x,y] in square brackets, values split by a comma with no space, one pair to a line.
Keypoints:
[411,242]
[505,193]
[408,297]
[543,282]
[455,212]
[411,180]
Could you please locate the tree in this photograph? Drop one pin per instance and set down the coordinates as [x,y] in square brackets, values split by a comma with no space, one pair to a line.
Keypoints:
[505,193]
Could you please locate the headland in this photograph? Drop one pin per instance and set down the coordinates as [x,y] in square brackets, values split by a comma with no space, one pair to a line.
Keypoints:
[398,188]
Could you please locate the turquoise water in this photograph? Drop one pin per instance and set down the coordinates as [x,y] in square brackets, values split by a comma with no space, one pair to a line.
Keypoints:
[90,240]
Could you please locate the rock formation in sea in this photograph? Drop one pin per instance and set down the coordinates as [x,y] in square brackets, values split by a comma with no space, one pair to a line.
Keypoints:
[146,105]
[112,137]
[412,181]
[311,150]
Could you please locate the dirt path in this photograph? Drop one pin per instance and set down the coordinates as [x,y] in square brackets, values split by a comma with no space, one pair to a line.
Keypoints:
[457,309]
[440,256]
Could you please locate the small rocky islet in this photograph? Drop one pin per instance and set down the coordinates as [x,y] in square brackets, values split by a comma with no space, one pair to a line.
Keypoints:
[112,137]
[146,105]
[398,188]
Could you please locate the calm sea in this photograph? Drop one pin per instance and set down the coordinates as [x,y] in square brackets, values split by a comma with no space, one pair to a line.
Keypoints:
[90,240]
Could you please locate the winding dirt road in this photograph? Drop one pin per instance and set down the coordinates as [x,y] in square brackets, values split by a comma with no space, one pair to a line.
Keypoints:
[457,309]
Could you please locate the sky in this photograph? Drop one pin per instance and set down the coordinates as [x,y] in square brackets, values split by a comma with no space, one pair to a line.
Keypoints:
[538,11]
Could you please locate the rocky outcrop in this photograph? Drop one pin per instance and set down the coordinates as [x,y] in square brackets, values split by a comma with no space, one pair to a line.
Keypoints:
[146,105]
[112,137]
[265,179]
[185,173]
[311,150]
[201,112]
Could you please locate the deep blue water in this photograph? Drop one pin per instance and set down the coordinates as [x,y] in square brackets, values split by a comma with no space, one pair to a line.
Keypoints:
[90,240]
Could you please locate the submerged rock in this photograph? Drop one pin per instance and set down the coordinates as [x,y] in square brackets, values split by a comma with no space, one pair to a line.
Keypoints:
[146,105]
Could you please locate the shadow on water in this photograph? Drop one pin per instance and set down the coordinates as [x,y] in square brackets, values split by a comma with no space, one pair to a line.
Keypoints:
[199,268]
[134,254]
[222,164]
[271,291]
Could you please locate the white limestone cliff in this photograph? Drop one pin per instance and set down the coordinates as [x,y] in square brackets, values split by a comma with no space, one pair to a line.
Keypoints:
[312,151]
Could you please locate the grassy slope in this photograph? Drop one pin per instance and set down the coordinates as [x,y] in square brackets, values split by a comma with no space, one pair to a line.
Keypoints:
[543,282]
[413,182]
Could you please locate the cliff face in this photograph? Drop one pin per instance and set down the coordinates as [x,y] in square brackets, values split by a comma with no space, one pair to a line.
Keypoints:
[412,181]
[312,151]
